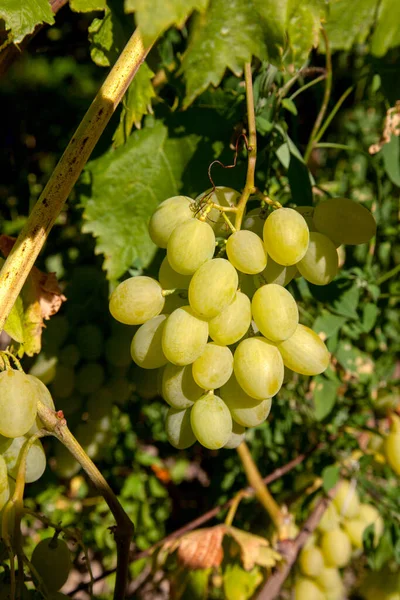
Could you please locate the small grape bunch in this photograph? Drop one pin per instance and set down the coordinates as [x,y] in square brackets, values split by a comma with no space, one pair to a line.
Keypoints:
[219,328]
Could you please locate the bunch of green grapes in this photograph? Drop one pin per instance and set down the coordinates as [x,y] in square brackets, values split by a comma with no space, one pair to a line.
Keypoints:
[218,327]
[19,395]
[338,535]
[88,372]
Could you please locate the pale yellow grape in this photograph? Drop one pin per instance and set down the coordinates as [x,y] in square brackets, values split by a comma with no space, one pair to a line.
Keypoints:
[344,221]
[275,273]
[330,519]
[245,410]
[44,396]
[167,216]
[307,589]
[275,312]
[184,336]
[178,428]
[392,450]
[311,561]
[346,499]
[253,222]
[170,279]
[18,403]
[258,367]
[233,322]
[246,252]
[35,460]
[355,529]
[329,579]
[224,196]
[286,236]
[371,516]
[146,347]
[307,212]
[304,352]
[214,367]
[336,548]
[211,421]
[191,244]
[213,287]
[320,263]
[179,388]
[136,300]
[237,436]
[4,487]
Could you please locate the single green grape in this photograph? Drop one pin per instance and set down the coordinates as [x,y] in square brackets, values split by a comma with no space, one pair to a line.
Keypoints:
[245,410]
[275,312]
[18,403]
[254,222]
[211,421]
[35,460]
[304,352]
[167,216]
[178,428]
[51,559]
[286,236]
[258,367]
[136,300]
[275,273]
[233,322]
[307,589]
[311,561]
[320,263]
[336,548]
[146,347]
[346,500]
[191,244]
[179,388]
[214,367]
[245,250]
[184,336]
[213,288]
[170,279]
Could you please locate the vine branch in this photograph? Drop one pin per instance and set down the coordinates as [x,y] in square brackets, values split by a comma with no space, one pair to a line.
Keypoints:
[34,234]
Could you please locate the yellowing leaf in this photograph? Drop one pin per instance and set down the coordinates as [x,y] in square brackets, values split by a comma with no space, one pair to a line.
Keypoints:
[254,549]
[87,5]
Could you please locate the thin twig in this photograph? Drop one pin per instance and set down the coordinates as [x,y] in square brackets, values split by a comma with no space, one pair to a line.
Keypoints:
[291,548]
[210,514]
[34,234]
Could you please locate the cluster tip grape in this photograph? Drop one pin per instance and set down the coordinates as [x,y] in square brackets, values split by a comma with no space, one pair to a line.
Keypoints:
[219,328]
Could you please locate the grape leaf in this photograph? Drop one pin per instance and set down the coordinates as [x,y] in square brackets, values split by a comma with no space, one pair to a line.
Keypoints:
[391,159]
[330,477]
[14,325]
[87,5]
[387,31]
[328,324]
[153,17]
[324,396]
[126,186]
[349,22]
[304,23]
[137,102]
[106,39]
[240,584]
[22,17]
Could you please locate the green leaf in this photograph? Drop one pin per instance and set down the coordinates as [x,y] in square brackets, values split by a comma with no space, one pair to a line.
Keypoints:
[304,24]
[370,314]
[240,584]
[289,105]
[324,396]
[107,38]
[387,31]
[197,585]
[14,325]
[153,17]
[126,186]
[356,363]
[347,303]
[391,159]
[23,16]
[87,5]
[330,477]
[137,103]
[327,323]
[349,22]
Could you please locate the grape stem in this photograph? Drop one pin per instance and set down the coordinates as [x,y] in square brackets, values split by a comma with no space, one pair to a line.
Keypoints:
[249,187]
[56,425]
[290,549]
[35,232]
[262,493]
[235,505]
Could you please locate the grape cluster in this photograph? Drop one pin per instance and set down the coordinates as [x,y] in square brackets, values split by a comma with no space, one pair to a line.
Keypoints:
[339,533]
[217,333]
[19,395]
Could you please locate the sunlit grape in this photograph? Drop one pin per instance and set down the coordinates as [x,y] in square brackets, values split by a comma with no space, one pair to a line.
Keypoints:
[214,367]
[346,499]
[319,265]
[211,421]
[245,410]
[191,244]
[311,561]
[286,236]
[184,336]
[275,312]
[304,352]
[245,250]
[178,428]
[258,367]
[167,216]
[18,403]
[336,548]
[136,300]
[307,589]
[233,322]
[170,279]
[146,347]
[213,287]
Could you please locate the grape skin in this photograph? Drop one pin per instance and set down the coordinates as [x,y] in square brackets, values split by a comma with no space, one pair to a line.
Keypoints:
[167,216]
[286,236]
[245,410]
[184,336]
[311,561]
[191,244]
[336,548]
[136,300]
[51,559]
[233,322]
[330,519]
[146,347]
[170,279]
[214,367]
[319,265]
[355,529]
[211,421]
[258,367]
[237,436]
[178,428]
[344,221]
[275,312]
[307,589]
[246,252]
[213,287]
[275,273]
[18,391]
[346,500]
[179,388]
[35,460]
[304,352]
